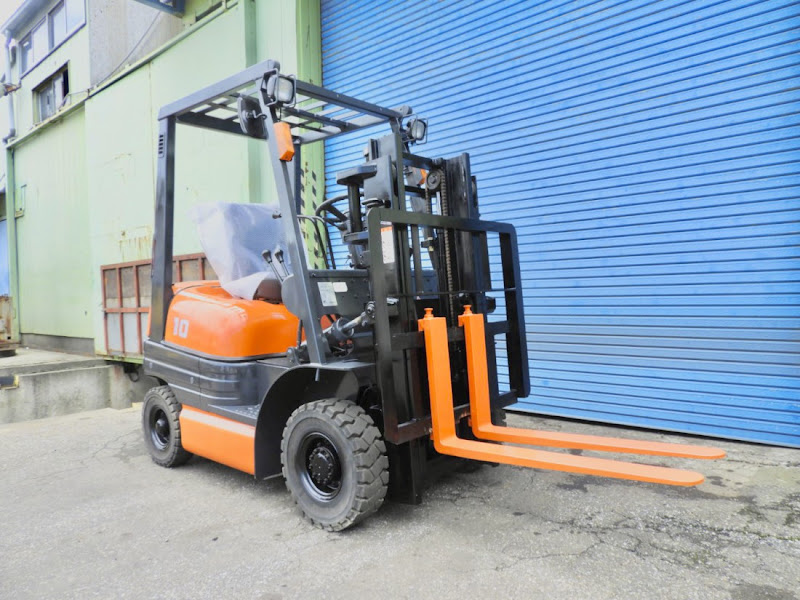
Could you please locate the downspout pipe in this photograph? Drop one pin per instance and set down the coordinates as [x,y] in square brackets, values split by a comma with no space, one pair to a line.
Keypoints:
[4,91]
[11,219]
[11,231]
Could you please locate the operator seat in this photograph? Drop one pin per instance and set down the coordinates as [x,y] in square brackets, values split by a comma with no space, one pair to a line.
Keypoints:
[233,237]
[269,289]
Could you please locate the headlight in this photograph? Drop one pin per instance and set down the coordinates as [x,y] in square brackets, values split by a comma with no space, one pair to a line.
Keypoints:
[418,128]
[415,131]
[281,89]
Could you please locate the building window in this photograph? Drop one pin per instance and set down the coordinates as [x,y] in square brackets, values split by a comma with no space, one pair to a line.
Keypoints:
[50,94]
[58,25]
[66,17]
[75,14]
[26,53]
[39,38]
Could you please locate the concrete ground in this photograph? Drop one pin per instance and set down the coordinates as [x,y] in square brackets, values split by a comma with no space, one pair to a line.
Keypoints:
[86,514]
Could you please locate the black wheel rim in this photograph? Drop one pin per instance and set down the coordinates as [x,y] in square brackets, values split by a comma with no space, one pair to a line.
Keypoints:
[319,467]
[159,428]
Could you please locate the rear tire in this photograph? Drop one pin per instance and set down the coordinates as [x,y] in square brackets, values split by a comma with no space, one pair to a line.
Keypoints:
[334,463]
[162,427]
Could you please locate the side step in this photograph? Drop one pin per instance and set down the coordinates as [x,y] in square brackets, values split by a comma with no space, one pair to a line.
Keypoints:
[446,441]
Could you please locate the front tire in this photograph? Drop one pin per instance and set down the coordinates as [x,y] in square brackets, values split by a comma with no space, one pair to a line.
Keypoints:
[162,427]
[334,463]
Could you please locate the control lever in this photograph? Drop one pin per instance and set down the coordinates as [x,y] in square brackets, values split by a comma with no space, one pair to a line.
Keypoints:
[279,256]
[267,256]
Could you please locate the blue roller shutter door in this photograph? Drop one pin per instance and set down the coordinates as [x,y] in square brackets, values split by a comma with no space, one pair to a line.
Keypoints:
[647,153]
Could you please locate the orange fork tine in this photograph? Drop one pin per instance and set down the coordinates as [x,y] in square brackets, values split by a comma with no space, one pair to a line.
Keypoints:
[481,415]
[446,441]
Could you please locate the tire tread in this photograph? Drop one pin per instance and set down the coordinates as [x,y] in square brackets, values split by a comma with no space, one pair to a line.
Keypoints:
[369,454]
[177,455]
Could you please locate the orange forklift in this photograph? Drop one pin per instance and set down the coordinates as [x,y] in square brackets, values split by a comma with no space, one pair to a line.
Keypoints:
[349,380]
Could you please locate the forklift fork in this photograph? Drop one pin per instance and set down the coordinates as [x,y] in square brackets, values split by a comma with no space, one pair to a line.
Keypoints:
[446,441]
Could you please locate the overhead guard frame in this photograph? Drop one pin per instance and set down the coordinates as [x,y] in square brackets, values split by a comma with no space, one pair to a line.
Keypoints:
[316,114]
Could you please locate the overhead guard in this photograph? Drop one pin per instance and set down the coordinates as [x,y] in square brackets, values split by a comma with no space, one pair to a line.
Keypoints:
[447,442]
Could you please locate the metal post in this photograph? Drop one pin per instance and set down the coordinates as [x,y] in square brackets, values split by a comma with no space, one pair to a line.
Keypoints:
[11,222]
[249,23]
[307,299]
[162,237]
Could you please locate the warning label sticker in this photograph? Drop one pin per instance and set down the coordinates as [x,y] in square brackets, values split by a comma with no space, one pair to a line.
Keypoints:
[327,293]
[387,244]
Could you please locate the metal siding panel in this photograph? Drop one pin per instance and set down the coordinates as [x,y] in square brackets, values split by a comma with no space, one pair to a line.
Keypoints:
[648,153]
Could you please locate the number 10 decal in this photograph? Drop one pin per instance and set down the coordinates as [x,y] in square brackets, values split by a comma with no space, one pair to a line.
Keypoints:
[180,327]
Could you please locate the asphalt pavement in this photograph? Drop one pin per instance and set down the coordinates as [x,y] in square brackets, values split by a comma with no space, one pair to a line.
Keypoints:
[86,514]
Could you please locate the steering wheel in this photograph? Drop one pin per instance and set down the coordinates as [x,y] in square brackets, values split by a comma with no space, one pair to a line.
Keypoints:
[339,219]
